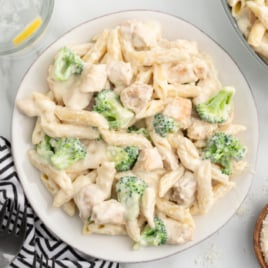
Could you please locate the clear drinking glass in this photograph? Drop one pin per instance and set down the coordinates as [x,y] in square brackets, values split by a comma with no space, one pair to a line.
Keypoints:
[22,22]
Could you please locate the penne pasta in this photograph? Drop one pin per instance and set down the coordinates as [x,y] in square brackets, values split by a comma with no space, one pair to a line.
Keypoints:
[105,177]
[256,34]
[96,52]
[69,208]
[125,139]
[176,212]
[69,130]
[187,152]
[165,149]
[114,52]
[152,108]
[80,49]
[81,117]
[105,229]
[205,196]
[38,133]
[133,230]
[59,177]
[169,179]
[260,11]
[148,205]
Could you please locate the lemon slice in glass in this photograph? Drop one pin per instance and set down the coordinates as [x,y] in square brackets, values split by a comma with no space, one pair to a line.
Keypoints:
[29,30]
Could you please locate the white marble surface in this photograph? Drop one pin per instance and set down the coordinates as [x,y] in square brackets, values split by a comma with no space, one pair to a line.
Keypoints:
[232,246]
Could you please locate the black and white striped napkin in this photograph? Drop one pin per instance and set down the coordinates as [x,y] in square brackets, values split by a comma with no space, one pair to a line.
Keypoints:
[38,239]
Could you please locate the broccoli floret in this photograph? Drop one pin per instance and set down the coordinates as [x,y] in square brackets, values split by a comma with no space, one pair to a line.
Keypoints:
[108,104]
[141,131]
[222,149]
[217,109]
[67,152]
[153,236]
[61,152]
[123,157]
[129,192]
[66,64]
[164,124]
[44,148]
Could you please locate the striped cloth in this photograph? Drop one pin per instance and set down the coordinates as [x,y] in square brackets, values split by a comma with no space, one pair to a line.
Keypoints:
[38,239]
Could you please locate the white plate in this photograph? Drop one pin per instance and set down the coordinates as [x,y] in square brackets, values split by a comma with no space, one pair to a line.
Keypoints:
[69,228]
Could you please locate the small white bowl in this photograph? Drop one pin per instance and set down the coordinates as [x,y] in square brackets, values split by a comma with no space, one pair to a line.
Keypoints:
[119,248]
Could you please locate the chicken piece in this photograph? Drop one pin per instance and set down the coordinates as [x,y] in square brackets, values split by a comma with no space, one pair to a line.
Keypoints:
[184,190]
[108,212]
[209,87]
[59,88]
[181,73]
[93,78]
[119,73]
[146,34]
[77,100]
[178,233]
[180,109]
[136,96]
[27,105]
[79,182]
[142,34]
[148,160]
[86,198]
[67,92]
[200,68]
[200,130]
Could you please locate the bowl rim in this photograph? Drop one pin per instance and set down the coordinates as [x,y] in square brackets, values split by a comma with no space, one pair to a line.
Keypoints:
[242,39]
[35,36]
[220,47]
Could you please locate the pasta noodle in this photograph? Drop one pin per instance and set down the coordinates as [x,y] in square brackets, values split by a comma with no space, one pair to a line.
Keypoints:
[124,139]
[59,177]
[148,205]
[205,194]
[81,117]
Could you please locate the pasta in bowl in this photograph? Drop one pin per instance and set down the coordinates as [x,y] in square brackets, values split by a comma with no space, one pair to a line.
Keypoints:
[249,19]
[121,128]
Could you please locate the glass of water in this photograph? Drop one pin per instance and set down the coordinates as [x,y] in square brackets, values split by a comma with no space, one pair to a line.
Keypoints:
[22,22]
